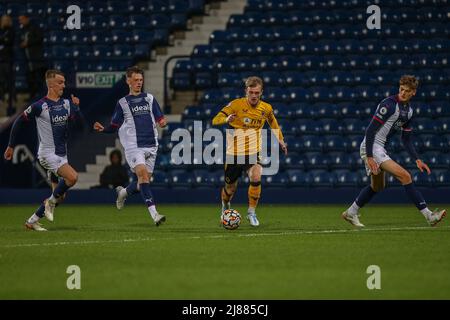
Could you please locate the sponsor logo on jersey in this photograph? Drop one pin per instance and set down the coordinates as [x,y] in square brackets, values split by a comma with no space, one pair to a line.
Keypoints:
[141,109]
[60,119]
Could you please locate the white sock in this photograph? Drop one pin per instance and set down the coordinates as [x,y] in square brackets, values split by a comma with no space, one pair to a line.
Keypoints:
[52,199]
[225,206]
[353,209]
[33,219]
[251,210]
[153,212]
[123,193]
[426,212]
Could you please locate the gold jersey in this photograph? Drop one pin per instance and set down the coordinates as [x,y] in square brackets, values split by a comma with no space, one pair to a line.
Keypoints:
[246,136]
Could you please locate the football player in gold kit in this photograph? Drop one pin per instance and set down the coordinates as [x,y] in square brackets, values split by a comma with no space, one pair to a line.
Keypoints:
[247,117]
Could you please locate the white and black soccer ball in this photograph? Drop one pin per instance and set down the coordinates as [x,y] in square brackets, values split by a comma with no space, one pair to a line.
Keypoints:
[231,219]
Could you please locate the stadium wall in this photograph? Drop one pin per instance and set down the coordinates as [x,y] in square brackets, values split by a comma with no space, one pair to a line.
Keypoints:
[392,195]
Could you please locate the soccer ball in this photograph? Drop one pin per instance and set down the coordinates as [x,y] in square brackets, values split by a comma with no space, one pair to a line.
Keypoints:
[231,219]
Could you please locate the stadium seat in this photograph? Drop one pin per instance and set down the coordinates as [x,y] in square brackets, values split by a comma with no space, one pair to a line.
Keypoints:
[280,179]
[341,160]
[316,160]
[443,179]
[345,178]
[322,178]
[181,178]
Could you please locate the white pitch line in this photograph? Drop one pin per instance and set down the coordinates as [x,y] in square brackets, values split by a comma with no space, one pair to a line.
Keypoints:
[229,235]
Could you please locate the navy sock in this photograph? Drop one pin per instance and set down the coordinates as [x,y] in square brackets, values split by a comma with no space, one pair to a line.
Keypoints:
[146,194]
[415,196]
[132,188]
[60,189]
[365,196]
[40,211]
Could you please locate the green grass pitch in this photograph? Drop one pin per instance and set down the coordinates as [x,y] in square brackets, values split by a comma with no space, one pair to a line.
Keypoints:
[298,252]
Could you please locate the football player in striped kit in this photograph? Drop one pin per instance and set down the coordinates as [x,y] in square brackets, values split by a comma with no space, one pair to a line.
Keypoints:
[393,114]
[135,118]
[52,114]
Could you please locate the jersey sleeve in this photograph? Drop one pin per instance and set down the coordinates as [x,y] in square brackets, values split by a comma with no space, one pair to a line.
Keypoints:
[32,111]
[223,114]
[273,123]
[384,110]
[157,110]
[75,112]
[117,118]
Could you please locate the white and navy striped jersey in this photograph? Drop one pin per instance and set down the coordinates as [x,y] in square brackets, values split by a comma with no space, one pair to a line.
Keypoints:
[52,119]
[136,117]
[393,115]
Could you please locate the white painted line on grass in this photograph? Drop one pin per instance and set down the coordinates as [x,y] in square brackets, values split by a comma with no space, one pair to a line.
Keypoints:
[227,234]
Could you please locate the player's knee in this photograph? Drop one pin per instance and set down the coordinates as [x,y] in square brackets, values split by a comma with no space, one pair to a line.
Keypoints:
[72,179]
[255,176]
[405,178]
[230,188]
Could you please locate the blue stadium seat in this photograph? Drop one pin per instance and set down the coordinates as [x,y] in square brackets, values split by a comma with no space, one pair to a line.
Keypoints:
[204,178]
[36,9]
[424,179]
[193,112]
[158,6]
[322,178]
[354,142]
[182,81]
[282,110]
[117,6]
[316,160]
[203,80]
[433,142]
[335,143]
[140,21]
[306,127]
[122,51]
[346,178]
[299,178]
[181,178]
[280,179]
[160,179]
[425,125]
[443,179]
[293,161]
[202,51]
[159,21]
[54,8]
[140,36]
[436,159]
[118,22]
[292,143]
[341,160]
[331,126]
[96,7]
[98,22]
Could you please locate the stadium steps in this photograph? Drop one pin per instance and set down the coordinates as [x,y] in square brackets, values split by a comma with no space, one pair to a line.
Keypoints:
[91,177]
[216,19]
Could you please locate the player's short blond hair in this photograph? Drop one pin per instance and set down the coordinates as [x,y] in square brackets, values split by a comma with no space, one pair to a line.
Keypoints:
[409,81]
[51,73]
[251,82]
